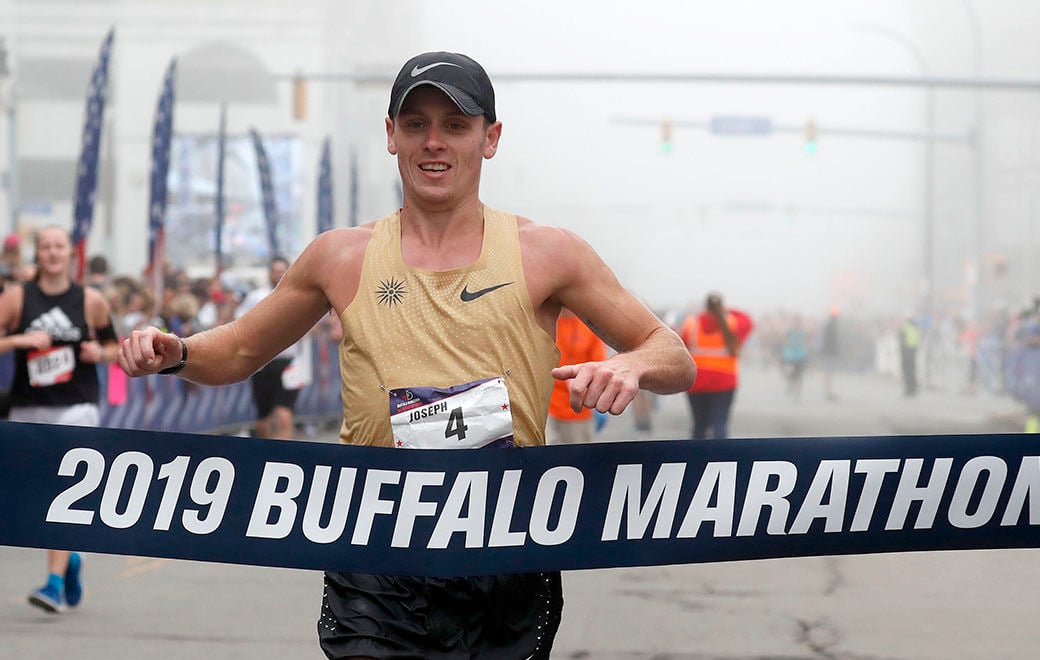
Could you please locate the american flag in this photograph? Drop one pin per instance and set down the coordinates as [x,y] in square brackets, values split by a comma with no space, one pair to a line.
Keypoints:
[86,172]
[325,189]
[266,192]
[160,167]
[218,198]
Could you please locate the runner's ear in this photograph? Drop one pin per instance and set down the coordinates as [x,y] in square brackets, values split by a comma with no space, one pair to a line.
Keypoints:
[390,145]
[491,137]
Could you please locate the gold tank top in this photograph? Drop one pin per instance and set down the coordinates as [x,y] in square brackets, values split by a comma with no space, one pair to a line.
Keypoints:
[409,327]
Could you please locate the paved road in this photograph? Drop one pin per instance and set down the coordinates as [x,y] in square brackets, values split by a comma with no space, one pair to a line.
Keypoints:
[917,606]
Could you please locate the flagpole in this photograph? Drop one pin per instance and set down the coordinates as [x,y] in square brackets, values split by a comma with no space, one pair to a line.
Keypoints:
[352,216]
[218,199]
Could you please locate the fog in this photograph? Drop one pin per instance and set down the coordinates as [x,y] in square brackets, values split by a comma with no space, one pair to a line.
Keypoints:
[918,197]
[755,217]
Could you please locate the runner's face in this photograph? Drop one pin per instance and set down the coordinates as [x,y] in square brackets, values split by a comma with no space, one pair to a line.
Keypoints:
[53,251]
[439,148]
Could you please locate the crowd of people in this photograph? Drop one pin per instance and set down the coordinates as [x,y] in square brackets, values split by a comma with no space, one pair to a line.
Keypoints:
[945,353]
[182,304]
[999,356]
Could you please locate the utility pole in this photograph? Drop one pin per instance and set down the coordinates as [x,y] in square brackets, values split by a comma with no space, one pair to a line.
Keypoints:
[7,107]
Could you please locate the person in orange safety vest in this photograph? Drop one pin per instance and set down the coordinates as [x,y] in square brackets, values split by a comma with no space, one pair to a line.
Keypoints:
[714,339]
[577,344]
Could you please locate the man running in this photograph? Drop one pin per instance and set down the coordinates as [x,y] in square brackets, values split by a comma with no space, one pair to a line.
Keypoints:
[443,294]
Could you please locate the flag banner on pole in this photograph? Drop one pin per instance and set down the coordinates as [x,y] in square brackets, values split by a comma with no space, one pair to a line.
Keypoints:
[218,196]
[353,213]
[441,512]
[266,192]
[161,137]
[325,188]
[87,168]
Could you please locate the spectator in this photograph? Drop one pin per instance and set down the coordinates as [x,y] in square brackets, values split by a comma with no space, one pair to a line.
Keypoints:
[97,272]
[714,338]
[577,344]
[274,388]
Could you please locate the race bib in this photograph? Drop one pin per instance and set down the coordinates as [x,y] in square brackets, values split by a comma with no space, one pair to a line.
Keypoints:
[298,374]
[469,416]
[51,366]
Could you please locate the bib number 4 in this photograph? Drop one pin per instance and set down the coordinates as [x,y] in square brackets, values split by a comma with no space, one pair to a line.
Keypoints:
[456,425]
[468,416]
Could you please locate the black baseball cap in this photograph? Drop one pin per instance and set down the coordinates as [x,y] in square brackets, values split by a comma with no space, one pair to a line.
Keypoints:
[458,76]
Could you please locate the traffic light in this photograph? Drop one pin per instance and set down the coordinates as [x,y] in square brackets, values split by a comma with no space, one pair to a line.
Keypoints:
[666,136]
[811,146]
[299,98]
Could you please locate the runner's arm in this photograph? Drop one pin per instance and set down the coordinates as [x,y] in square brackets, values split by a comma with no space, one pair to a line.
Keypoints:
[650,354]
[232,352]
[104,348]
[10,313]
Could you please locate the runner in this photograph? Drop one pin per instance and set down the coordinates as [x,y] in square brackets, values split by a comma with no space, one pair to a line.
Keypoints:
[444,298]
[59,331]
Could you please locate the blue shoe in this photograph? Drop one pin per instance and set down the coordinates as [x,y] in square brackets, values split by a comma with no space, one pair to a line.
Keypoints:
[48,598]
[73,581]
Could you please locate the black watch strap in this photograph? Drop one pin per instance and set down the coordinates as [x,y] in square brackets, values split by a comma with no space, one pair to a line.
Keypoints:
[176,369]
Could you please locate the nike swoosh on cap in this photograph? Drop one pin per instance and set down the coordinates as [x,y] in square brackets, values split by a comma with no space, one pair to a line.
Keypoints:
[469,296]
[419,70]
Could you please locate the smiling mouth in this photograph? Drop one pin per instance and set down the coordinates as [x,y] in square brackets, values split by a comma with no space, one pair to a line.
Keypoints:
[434,167]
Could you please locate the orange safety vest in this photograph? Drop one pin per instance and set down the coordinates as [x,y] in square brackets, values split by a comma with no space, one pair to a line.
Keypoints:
[708,349]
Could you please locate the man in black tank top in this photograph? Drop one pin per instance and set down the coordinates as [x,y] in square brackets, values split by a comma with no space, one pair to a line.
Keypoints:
[60,332]
[441,124]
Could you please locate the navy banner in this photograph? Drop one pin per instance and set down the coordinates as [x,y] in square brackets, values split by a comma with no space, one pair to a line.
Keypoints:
[162,133]
[87,168]
[442,512]
[325,188]
[270,207]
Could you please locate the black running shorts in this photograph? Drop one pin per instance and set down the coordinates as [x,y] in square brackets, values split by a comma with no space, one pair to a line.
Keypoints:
[268,391]
[505,617]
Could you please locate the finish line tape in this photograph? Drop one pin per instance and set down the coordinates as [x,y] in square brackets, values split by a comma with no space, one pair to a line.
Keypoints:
[453,513]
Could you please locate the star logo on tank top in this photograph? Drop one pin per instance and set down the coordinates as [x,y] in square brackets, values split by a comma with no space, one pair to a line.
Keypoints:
[391,292]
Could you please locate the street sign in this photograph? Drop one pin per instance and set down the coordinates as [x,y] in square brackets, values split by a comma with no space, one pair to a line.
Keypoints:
[741,125]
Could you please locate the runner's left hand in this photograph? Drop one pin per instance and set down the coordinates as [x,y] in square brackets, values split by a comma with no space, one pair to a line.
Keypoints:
[607,386]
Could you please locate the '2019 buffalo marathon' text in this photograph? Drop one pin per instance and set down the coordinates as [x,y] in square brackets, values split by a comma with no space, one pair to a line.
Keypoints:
[659,501]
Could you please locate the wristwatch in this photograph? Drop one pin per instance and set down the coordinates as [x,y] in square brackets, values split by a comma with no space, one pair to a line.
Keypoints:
[176,369]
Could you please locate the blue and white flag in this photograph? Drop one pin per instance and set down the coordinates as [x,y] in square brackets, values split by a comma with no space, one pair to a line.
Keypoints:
[218,197]
[161,136]
[266,192]
[325,189]
[86,172]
